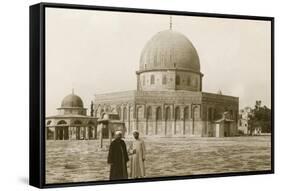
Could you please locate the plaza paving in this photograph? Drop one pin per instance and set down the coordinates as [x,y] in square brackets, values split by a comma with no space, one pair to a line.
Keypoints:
[78,161]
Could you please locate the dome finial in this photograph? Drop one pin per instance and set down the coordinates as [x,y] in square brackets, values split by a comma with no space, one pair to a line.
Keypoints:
[171,22]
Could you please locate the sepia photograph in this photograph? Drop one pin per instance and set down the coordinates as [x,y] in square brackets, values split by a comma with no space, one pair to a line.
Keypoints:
[134,96]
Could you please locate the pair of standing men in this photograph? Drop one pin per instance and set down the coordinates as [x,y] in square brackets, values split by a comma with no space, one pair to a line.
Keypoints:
[118,157]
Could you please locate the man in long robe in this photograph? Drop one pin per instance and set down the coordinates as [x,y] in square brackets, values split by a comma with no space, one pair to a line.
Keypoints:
[118,158]
[137,157]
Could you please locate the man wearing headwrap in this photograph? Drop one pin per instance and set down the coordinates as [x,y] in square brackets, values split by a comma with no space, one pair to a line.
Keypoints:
[118,158]
[137,152]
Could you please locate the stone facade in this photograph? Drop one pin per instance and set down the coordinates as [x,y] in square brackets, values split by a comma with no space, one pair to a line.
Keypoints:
[175,113]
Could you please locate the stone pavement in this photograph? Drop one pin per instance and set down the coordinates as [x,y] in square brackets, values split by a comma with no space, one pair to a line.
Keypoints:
[76,161]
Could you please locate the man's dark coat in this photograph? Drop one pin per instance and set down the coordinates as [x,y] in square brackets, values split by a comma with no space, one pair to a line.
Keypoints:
[118,158]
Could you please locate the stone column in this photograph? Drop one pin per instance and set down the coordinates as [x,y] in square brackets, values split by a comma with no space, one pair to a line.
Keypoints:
[174,120]
[84,133]
[96,132]
[101,138]
[164,120]
[129,119]
[165,127]
[63,133]
[77,133]
[55,133]
[146,126]
[87,133]
[183,127]
[69,133]
[137,117]
[156,126]
[174,128]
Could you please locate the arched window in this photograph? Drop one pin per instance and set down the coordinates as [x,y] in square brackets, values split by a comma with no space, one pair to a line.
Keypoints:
[167,113]
[158,113]
[119,112]
[188,80]
[61,122]
[143,80]
[186,113]
[152,79]
[177,113]
[125,114]
[164,79]
[140,113]
[178,80]
[149,113]
[49,122]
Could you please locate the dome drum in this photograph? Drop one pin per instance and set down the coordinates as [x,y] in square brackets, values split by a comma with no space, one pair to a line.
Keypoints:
[163,80]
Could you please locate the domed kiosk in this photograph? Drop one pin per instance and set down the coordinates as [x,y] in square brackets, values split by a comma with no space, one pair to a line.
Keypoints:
[168,100]
[71,122]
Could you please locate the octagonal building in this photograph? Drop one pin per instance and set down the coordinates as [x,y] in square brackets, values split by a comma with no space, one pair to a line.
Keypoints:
[168,100]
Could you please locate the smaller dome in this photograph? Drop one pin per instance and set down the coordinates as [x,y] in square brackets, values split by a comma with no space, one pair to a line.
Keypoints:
[72,100]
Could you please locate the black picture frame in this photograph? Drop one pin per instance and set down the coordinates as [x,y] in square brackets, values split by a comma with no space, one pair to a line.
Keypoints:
[37,92]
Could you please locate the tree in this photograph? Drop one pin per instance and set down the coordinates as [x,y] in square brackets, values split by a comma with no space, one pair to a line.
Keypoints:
[260,116]
[92,109]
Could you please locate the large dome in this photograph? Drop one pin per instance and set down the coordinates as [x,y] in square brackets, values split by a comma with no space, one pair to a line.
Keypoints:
[168,50]
[71,100]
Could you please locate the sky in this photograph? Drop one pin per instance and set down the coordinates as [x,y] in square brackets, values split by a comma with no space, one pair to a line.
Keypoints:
[96,52]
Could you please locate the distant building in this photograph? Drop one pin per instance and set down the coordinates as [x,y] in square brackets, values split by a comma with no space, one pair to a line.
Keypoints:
[243,125]
[71,121]
[168,100]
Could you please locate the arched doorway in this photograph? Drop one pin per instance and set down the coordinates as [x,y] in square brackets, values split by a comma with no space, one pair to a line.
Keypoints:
[79,130]
[61,130]
[177,120]
[148,120]
[158,120]
[186,129]
[125,114]
[168,122]
[91,130]
[140,123]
